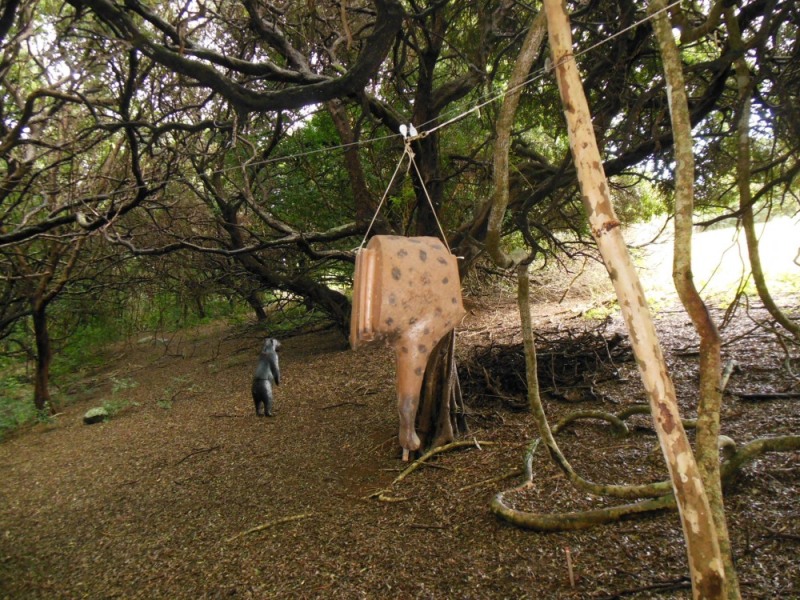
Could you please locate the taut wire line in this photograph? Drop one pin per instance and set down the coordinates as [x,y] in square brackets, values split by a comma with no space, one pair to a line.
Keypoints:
[536,76]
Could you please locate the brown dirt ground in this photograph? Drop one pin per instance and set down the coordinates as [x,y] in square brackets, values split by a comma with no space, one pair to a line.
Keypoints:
[157,502]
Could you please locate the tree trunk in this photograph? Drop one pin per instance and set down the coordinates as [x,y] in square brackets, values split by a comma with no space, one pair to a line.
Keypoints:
[44,356]
[708,577]
[332,302]
[710,394]
[743,177]
[502,144]
[441,419]
[362,199]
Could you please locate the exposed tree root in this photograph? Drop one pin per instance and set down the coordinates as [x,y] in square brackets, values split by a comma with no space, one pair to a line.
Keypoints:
[653,490]
[659,495]
[752,450]
[619,426]
[571,521]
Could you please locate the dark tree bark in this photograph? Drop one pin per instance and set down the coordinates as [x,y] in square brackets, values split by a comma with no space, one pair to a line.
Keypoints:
[335,304]
[44,356]
[211,69]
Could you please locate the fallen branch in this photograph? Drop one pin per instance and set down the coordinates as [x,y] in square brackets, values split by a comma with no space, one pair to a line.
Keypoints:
[381,494]
[270,524]
[196,452]
[438,450]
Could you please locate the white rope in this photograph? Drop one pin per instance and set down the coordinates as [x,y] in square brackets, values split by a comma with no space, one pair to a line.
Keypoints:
[380,204]
[424,189]
[409,134]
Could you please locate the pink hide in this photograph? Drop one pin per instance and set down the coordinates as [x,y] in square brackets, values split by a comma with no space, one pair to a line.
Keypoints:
[407,293]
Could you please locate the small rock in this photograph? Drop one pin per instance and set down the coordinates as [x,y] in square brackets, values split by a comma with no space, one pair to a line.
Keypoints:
[95,415]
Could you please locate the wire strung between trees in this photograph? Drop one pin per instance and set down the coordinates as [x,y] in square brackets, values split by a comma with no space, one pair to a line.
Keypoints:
[539,74]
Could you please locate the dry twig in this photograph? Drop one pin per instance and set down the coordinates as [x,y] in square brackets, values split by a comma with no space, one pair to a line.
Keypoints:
[269,524]
[198,451]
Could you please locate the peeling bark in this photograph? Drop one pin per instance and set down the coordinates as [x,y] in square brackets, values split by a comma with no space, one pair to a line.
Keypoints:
[708,577]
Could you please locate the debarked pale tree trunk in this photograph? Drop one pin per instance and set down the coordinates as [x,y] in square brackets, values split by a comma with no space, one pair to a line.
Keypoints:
[707,573]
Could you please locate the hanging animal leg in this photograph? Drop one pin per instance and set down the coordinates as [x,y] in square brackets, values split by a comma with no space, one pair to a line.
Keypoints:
[412,357]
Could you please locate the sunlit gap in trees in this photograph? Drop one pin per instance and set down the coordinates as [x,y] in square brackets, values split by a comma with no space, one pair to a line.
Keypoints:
[719,259]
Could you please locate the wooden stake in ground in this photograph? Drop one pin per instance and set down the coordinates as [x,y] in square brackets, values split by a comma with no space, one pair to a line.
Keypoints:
[708,578]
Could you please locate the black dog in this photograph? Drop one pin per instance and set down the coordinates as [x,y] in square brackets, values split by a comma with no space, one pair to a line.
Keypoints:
[267,371]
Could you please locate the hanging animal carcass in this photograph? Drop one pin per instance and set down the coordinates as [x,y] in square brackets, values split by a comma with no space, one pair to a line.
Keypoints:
[406,292]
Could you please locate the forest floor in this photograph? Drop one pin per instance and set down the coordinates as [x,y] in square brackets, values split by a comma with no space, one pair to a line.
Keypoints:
[161,501]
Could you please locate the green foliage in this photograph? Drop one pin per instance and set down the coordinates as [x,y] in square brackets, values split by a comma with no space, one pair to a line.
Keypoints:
[16,407]
[637,201]
[119,384]
[602,311]
[82,349]
[118,403]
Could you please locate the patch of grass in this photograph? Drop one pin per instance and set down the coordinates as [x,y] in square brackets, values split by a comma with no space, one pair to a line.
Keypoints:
[171,393]
[115,406]
[84,349]
[122,383]
[602,311]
